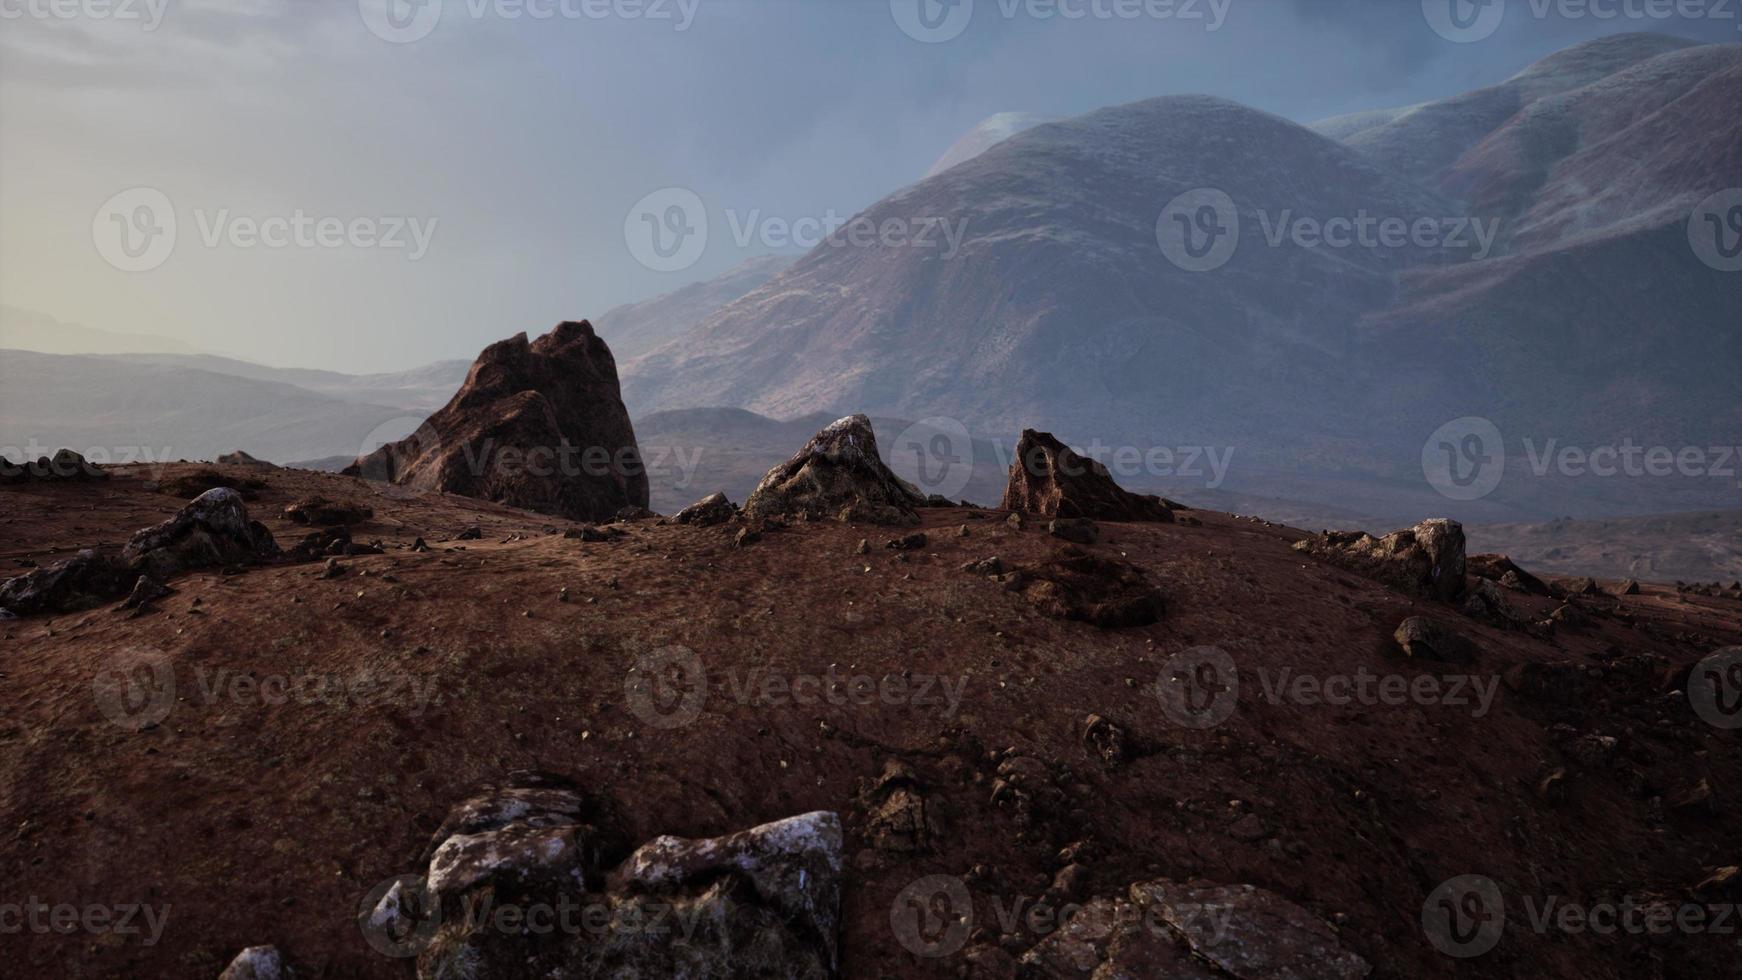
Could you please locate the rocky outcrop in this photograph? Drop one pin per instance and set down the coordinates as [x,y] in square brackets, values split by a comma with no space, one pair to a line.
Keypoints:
[1423,639]
[538,425]
[65,465]
[240,458]
[84,581]
[1104,592]
[212,530]
[764,902]
[1049,478]
[837,475]
[1194,931]
[1505,571]
[1425,560]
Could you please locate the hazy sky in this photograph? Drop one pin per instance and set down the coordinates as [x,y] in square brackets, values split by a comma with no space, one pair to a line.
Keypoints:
[516,146]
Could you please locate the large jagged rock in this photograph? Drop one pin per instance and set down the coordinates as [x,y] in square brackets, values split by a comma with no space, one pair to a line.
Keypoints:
[84,581]
[838,474]
[1048,478]
[1425,560]
[538,425]
[1195,931]
[761,903]
[213,529]
[257,963]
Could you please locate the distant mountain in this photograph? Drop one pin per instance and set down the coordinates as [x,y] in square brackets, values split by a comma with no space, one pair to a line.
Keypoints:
[424,388]
[28,330]
[1588,319]
[988,133]
[640,327]
[125,407]
[1697,547]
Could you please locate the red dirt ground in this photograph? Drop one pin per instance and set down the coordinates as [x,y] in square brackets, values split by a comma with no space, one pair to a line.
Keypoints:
[258,822]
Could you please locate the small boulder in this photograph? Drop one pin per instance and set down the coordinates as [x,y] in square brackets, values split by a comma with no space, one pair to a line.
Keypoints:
[907,542]
[1628,587]
[212,530]
[837,475]
[708,511]
[146,591]
[240,458]
[473,533]
[1104,592]
[257,963]
[64,466]
[1423,639]
[1077,530]
[322,512]
[1048,478]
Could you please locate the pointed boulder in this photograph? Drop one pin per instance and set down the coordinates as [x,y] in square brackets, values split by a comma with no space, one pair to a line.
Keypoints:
[838,474]
[538,425]
[1049,478]
[1426,560]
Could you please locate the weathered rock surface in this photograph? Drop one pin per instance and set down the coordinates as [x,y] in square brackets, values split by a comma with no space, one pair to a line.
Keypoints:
[708,511]
[538,425]
[1104,592]
[1504,570]
[84,581]
[1426,560]
[240,458]
[1424,639]
[838,474]
[762,903]
[257,963]
[1049,478]
[322,512]
[212,530]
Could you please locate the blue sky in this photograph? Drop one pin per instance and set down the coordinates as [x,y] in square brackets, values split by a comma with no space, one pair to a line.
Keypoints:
[517,146]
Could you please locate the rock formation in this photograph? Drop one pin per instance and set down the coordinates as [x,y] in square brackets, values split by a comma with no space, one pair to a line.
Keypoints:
[63,465]
[1048,478]
[212,530]
[708,511]
[84,581]
[838,474]
[763,902]
[1425,560]
[538,425]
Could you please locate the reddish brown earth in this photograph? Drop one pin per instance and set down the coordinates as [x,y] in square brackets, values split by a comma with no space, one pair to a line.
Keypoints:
[263,823]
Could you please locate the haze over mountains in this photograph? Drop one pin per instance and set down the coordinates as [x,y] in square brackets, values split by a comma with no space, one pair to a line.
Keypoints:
[1557,296]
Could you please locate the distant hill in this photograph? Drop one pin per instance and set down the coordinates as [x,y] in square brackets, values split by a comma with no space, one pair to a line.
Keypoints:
[640,327]
[28,330]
